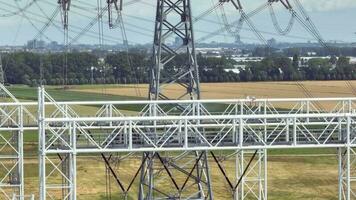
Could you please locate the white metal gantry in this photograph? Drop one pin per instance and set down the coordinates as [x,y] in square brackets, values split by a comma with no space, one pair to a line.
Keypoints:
[204,125]
[13,118]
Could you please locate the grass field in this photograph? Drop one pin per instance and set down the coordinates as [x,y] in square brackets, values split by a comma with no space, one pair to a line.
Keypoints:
[236,90]
[292,174]
[290,177]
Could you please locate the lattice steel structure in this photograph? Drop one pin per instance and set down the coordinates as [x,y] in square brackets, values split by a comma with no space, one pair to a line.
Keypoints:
[235,126]
[192,129]
[14,118]
[174,20]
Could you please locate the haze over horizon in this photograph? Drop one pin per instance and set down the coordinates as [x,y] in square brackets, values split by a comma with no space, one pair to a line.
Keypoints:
[333,18]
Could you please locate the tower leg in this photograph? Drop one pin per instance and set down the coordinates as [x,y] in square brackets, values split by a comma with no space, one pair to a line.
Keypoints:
[347,161]
[11,149]
[161,170]
[251,174]
[347,175]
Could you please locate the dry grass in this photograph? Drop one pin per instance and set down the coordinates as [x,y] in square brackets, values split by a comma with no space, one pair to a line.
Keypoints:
[240,90]
[266,90]
[288,178]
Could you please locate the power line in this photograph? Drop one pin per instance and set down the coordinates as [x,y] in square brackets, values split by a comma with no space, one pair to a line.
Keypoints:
[49,22]
[20,10]
[276,25]
[89,33]
[142,31]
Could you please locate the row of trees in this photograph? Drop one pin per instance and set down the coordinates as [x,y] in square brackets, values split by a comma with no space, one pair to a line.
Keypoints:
[89,68]
[285,69]
[75,68]
[304,51]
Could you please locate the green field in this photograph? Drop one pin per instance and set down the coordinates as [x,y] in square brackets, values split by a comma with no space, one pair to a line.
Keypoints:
[292,174]
[60,94]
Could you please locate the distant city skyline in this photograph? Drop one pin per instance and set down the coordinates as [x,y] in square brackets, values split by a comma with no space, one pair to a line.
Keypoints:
[333,19]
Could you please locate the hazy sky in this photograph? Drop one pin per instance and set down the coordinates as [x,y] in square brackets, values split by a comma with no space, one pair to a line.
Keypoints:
[335,20]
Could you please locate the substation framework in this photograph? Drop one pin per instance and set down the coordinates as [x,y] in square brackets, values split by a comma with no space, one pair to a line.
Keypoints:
[174,137]
[12,116]
[243,128]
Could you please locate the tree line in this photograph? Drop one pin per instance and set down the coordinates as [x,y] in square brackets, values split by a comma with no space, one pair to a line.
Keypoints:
[124,68]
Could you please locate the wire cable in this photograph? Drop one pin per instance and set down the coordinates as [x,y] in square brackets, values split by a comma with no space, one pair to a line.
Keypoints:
[276,25]
[20,10]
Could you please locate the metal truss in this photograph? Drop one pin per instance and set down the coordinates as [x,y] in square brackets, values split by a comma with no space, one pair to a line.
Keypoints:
[249,180]
[347,161]
[246,127]
[187,174]
[174,39]
[12,123]
[347,175]
[65,7]
[214,132]
[174,20]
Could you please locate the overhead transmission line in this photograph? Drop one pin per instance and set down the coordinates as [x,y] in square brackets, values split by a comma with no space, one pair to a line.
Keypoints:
[304,20]
[220,24]
[111,25]
[65,7]
[119,22]
[49,22]
[200,18]
[23,14]
[278,28]
[16,35]
[107,38]
[92,22]
[246,19]
[19,10]
[227,27]
[85,29]
[148,34]
[40,32]
[89,33]
[310,27]
[100,23]
[55,22]
[237,24]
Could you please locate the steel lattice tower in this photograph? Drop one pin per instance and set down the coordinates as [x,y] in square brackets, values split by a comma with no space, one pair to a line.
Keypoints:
[174,21]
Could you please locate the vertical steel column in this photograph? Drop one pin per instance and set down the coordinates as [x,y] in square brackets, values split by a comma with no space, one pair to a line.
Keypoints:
[347,158]
[251,174]
[66,167]
[251,171]
[41,143]
[73,162]
[240,168]
[21,154]
[340,173]
[11,159]
[340,152]
[348,162]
